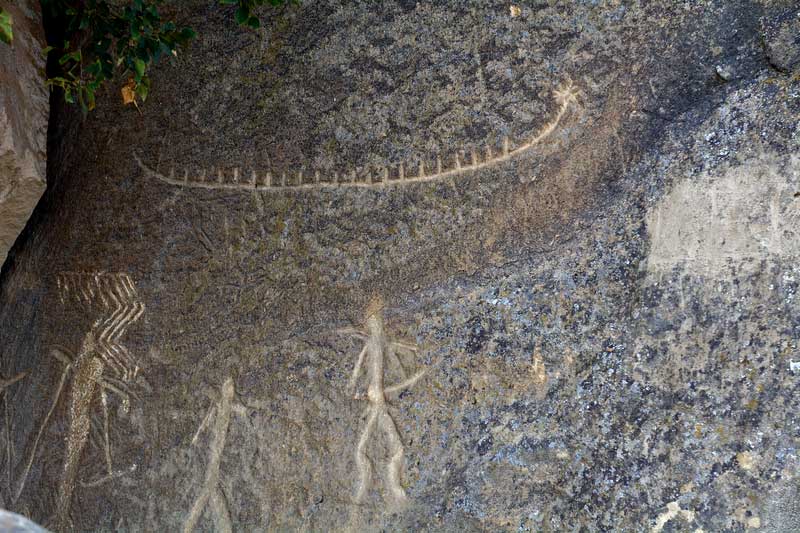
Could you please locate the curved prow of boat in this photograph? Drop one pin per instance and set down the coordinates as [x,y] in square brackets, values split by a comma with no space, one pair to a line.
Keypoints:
[432,169]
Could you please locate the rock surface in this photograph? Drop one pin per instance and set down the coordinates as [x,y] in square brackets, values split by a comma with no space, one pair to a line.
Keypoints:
[782,39]
[591,324]
[24,110]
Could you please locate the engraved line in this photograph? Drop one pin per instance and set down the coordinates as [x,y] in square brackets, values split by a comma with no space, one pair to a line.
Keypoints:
[113,475]
[372,356]
[9,451]
[27,468]
[405,384]
[106,440]
[4,384]
[565,97]
[362,461]
[211,492]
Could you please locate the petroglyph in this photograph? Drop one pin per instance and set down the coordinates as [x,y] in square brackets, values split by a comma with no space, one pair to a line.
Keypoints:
[211,493]
[539,373]
[32,455]
[4,384]
[372,357]
[407,172]
[114,295]
[102,365]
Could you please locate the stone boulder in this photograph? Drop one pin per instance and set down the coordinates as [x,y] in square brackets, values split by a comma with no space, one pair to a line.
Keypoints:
[24,111]
[422,266]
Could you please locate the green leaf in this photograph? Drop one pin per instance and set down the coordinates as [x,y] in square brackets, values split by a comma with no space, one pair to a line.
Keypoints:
[6,30]
[242,14]
[104,39]
[140,66]
[143,89]
[75,56]
[84,108]
[94,69]
[86,99]
[187,34]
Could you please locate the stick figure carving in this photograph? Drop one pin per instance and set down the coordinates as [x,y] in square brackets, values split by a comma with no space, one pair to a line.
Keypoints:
[211,492]
[371,360]
[102,365]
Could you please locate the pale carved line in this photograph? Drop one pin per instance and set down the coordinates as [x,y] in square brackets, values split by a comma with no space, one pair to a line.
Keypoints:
[114,293]
[4,384]
[211,491]
[565,97]
[372,355]
[115,297]
[115,474]
[29,463]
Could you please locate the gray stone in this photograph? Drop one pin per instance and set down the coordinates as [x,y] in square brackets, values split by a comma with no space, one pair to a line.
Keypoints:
[14,523]
[724,72]
[782,40]
[24,110]
[577,311]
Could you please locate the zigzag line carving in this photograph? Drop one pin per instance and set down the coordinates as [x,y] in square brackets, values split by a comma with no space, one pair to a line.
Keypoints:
[115,294]
[394,175]
[102,365]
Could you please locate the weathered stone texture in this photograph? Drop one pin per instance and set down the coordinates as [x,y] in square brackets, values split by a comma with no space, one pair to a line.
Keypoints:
[24,110]
[782,39]
[596,333]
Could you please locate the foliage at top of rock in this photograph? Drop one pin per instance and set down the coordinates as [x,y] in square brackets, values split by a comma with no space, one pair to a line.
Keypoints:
[102,40]
[6,31]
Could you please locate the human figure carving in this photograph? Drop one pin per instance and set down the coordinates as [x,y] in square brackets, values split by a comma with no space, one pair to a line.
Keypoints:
[102,364]
[211,492]
[372,361]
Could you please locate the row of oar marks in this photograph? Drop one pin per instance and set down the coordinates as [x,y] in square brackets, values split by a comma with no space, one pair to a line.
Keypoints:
[421,170]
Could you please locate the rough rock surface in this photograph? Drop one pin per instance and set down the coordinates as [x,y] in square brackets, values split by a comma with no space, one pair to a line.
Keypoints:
[24,109]
[590,327]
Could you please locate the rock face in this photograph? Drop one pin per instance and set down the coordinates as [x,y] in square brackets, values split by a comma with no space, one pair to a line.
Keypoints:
[24,110]
[782,39]
[423,266]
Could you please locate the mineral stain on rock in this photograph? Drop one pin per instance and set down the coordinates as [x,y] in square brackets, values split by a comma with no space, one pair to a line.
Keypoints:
[732,222]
